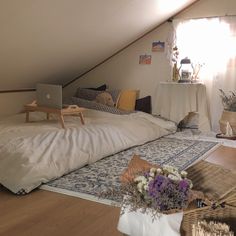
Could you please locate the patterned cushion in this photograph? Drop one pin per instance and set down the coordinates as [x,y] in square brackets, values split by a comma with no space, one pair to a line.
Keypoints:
[94,105]
[91,95]
[105,98]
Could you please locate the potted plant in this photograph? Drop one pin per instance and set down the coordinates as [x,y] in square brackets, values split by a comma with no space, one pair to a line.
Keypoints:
[228,118]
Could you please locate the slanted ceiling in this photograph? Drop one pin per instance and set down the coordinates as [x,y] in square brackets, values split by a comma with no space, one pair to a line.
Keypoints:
[55,41]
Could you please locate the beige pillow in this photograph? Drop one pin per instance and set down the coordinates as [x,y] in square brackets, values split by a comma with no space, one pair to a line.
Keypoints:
[105,99]
[127,100]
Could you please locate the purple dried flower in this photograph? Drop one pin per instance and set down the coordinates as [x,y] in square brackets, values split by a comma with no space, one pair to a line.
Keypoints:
[146,174]
[168,194]
[183,185]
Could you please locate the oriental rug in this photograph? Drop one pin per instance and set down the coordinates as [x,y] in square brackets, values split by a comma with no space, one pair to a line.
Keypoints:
[88,182]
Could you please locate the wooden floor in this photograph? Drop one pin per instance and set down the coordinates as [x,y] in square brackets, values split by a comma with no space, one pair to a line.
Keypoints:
[43,213]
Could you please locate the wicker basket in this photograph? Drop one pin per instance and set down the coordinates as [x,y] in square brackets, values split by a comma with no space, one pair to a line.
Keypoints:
[228,116]
[221,185]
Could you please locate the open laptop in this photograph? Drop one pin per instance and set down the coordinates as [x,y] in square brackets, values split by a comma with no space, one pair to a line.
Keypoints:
[49,95]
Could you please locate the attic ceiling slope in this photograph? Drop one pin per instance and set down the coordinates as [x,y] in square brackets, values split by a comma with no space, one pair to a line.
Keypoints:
[55,41]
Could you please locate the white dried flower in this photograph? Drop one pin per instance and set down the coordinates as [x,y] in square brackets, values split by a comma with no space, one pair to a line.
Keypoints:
[152,174]
[184,173]
[140,187]
[190,184]
[170,170]
[174,177]
[153,170]
[145,187]
[150,179]
[140,179]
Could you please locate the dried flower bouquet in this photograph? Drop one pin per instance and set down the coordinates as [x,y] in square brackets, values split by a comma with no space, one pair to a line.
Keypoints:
[155,189]
[161,190]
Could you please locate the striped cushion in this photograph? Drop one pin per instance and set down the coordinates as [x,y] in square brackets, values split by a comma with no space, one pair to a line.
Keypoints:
[94,105]
[89,94]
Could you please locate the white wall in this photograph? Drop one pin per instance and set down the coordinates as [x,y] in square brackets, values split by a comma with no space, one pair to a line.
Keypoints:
[55,41]
[11,103]
[209,8]
[124,71]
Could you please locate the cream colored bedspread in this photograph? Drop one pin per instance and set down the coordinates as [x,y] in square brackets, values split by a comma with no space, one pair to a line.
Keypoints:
[37,152]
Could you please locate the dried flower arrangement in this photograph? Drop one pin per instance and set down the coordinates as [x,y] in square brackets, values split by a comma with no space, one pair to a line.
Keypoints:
[155,189]
[161,190]
[229,101]
[175,54]
[203,228]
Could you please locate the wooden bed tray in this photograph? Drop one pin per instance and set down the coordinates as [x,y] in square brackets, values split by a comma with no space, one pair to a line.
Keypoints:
[69,110]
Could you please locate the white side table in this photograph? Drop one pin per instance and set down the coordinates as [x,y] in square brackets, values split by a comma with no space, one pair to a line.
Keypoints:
[176,100]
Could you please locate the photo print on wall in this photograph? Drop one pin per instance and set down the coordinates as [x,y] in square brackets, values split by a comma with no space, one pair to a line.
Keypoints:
[158,46]
[145,59]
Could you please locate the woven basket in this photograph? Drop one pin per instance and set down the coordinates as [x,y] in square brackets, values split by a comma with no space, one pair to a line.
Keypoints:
[228,116]
[218,183]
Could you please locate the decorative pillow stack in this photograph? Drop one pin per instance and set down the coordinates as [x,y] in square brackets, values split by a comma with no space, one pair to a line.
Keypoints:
[114,101]
[89,94]
[97,99]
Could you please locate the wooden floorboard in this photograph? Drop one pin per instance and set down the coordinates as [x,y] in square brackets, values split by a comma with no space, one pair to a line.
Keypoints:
[44,213]
[47,213]
[224,156]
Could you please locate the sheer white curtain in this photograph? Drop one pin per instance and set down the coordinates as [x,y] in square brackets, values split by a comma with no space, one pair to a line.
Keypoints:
[212,43]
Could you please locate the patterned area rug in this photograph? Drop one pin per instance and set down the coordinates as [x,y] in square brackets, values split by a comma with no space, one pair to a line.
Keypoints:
[89,181]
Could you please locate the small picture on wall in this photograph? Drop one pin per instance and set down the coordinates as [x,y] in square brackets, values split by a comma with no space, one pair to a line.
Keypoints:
[145,59]
[158,46]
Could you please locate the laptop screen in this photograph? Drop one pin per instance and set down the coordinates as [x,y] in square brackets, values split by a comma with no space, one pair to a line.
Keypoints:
[49,95]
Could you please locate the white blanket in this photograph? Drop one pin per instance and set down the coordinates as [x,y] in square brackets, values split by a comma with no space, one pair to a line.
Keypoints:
[37,152]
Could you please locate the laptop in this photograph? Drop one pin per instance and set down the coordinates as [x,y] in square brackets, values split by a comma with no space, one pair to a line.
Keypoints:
[49,95]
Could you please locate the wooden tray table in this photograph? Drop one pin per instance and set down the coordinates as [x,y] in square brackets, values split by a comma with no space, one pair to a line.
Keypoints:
[69,110]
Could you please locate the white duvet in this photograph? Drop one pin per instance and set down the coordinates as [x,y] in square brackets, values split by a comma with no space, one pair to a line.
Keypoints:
[34,153]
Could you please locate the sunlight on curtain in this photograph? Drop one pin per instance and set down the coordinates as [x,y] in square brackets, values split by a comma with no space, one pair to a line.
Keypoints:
[210,42]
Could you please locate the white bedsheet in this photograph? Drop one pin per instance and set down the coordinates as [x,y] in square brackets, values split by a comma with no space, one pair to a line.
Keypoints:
[34,153]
